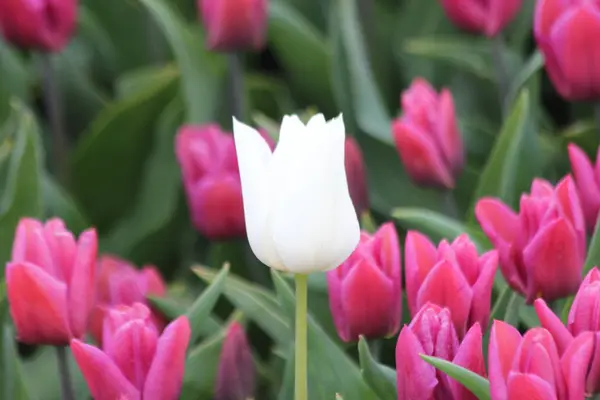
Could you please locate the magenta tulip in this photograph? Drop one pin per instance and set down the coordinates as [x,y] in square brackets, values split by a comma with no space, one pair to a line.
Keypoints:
[488,17]
[236,376]
[355,173]
[587,180]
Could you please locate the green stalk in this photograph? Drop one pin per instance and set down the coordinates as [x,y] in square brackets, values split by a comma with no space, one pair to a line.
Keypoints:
[301,383]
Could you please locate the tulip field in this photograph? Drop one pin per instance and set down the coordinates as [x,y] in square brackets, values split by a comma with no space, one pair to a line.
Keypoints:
[299,199]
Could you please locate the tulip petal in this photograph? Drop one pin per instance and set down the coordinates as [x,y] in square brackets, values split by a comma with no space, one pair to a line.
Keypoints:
[575,363]
[482,289]
[387,249]
[554,262]
[504,342]
[38,305]
[254,157]
[528,386]
[334,288]
[152,281]
[81,289]
[593,375]
[165,376]
[103,377]
[416,379]
[589,191]
[546,14]
[469,356]
[553,324]
[471,17]
[570,206]
[497,220]
[236,373]
[500,13]
[585,310]
[449,135]
[30,246]
[420,257]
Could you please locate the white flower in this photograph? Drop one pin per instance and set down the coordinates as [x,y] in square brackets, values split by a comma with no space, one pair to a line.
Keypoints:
[299,215]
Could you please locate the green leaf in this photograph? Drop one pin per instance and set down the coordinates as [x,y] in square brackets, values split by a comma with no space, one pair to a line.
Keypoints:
[171,310]
[477,384]
[21,197]
[109,160]
[368,107]
[381,378]
[11,65]
[593,255]
[328,365]
[12,380]
[534,64]
[499,177]
[58,203]
[201,72]
[256,303]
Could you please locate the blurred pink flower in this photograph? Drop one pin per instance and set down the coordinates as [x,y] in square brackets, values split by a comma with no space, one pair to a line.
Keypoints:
[487,17]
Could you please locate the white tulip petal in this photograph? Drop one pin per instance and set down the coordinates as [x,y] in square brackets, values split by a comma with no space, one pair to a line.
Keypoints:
[315,123]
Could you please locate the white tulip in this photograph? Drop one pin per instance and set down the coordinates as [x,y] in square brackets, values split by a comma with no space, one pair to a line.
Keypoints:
[299,215]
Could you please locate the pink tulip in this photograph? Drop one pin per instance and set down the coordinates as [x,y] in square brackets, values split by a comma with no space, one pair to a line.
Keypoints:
[487,17]
[451,276]
[50,282]
[355,173]
[236,374]
[45,25]
[432,333]
[587,180]
[135,361]
[529,367]
[584,317]
[365,292]
[427,136]
[541,249]
[566,32]
[211,180]
[120,283]
[234,24]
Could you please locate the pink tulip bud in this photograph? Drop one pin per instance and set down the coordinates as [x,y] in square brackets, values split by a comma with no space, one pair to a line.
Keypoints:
[236,374]
[45,25]
[365,292]
[451,276]
[233,24]
[541,249]
[432,333]
[529,367]
[587,180]
[566,33]
[135,361]
[211,180]
[427,136]
[50,282]
[355,173]
[120,283]
[487,17]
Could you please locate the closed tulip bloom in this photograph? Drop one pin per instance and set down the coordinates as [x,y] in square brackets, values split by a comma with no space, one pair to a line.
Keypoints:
[427,136]
[45,25]
[120,283]
[452,276]
[136,362]
[355,172]
[299,214]
[234,24]
[530,367]
[236,375]
[542,248]
[50,282]
[587,180]
[566,32]
[432,333]
[365,292]
[487,17]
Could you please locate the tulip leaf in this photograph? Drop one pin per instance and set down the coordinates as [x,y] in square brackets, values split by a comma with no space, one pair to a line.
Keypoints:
[169,309]
[328,365]
[202,307]
[109,160]
[12,382]
[199,68]
[477,384]
[256,303]
[11,65]
[499,177]
[593,255]
[58,203]
[532,66]
[381,378]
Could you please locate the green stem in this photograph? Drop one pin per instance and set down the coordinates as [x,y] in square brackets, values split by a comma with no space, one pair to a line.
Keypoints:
[65,376]
[501,69]
[375,349]
[236,84]
[597,117]
[301,384]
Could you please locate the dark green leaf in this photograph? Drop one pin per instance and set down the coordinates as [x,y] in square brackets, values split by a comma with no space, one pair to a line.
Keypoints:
[12,380]
[171,310]
[533,65]
[11,65]
[381,378]
[58,203]
[477,384]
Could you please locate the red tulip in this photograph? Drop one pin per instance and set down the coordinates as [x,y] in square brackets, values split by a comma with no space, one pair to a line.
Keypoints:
[120,283]
[135,361]
[488,17]
[431,332]
[566,32]
[236,373]
[234,24]
[451,276]
[542,248]
[427,136]
[211,180]
[50,282]
[355,173]
[45,25]
[529,367]
[587,180]
[584,317]
[365,292]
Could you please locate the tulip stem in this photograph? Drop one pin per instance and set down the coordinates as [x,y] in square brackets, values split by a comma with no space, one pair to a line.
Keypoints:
[54,112]
[65,376]
[501,70]
[301,366]
[236,84]
[597,116]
